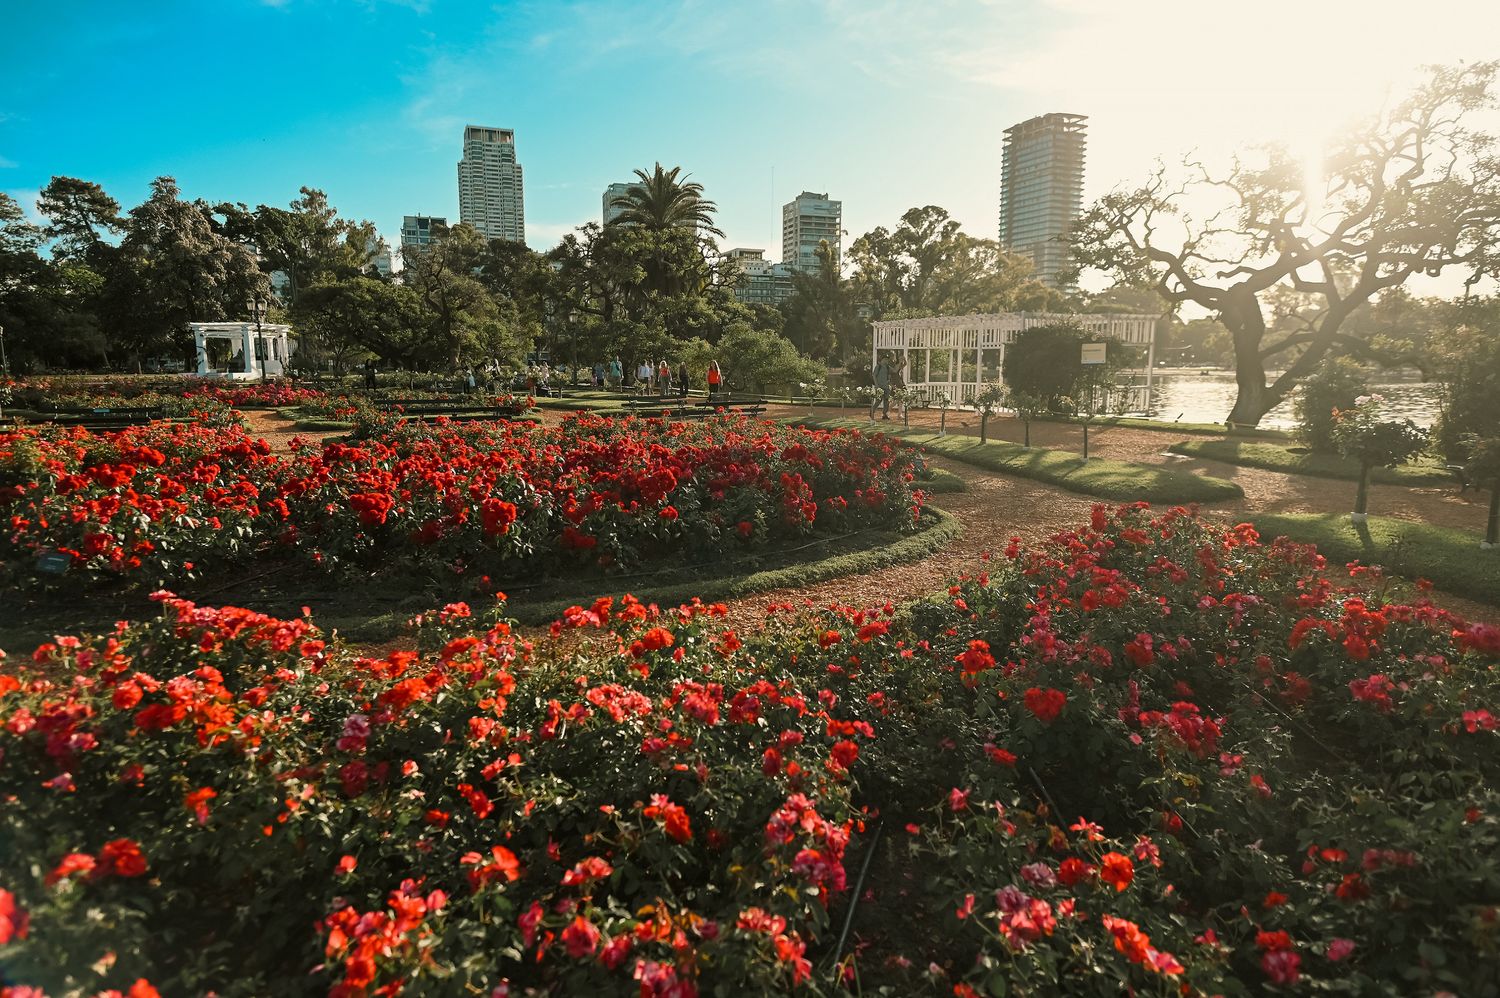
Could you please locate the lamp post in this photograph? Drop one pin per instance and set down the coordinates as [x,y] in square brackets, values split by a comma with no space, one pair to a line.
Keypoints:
[4,366]
[259,306]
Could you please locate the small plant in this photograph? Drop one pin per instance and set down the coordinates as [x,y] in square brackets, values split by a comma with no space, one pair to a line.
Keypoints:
[1361,435]
[1027,408]
[813,390]
[941,400]
[987,401]
[906,396]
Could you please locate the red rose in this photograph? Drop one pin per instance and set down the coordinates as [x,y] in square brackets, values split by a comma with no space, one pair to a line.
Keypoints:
[1045,704]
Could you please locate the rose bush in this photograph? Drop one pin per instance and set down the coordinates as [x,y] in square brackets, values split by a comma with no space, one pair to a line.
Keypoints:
[1151,754]
[167,500]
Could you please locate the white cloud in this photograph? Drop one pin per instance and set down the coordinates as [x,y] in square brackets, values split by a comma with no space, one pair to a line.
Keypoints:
[6,163]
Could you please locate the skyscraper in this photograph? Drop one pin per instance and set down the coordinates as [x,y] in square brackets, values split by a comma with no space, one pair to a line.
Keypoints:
[611,211]
[805,222]
[490,195]
[1041,189]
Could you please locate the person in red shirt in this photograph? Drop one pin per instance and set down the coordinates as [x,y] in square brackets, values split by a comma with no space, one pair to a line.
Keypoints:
[715,378]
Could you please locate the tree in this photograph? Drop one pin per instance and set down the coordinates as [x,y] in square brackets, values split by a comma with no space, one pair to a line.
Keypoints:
[928,266]
[464,321]
[174,268]
[659,200]
[1414,191]
[336,322]
[822,316]
[307,241]
[79,217]
[759,361]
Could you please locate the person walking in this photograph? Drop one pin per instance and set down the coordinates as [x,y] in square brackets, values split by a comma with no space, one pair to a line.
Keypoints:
[715,379]
[643,373]
[882,395]
[598,374]
[616,373]
[663,377]
[682,383]
[469,379]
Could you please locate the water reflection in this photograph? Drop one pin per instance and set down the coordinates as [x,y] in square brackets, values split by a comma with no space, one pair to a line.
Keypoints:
[1206,397]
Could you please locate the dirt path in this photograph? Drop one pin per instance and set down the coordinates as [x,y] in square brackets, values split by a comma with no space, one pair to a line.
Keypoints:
[997,507]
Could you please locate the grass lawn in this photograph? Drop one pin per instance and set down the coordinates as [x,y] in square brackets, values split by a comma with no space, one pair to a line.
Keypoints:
[1274,457]
[1161,425]
[1450,559]
[1119,481]
[374,610]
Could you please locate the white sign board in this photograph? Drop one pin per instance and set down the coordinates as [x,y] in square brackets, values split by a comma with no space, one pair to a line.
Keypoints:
[1093,353]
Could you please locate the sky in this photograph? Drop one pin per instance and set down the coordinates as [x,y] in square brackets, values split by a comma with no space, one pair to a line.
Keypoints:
[883,105]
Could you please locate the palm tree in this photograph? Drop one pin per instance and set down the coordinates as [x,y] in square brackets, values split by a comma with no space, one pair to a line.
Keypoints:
[661,201]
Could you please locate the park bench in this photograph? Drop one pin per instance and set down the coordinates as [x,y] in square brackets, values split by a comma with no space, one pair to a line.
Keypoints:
[1460,475]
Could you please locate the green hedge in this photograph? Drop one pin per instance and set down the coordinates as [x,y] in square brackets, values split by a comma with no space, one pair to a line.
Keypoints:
[943,530]
[1450,559]
[1272,457]
[1119,481]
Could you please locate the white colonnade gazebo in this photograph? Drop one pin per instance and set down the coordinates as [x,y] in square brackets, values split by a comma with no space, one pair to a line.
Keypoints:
[970,349]
[264,350]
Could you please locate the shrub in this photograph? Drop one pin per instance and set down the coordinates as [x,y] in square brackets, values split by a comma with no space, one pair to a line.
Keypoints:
[1044,361]
[1151,753]
[1335,384]
[1469,373]
[472,500]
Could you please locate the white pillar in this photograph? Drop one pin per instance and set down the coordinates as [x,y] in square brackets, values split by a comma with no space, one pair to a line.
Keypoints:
[249,347]
[201,346]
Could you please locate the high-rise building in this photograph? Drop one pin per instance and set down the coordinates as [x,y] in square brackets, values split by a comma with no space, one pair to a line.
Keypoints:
[490,194]
[1041,189]
[765,282]
[807,221]
[611,210]
[420,231]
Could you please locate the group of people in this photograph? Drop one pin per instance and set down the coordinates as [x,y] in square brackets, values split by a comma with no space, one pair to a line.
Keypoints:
[659,378]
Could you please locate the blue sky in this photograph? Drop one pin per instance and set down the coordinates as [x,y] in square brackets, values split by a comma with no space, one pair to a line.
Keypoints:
[884,105]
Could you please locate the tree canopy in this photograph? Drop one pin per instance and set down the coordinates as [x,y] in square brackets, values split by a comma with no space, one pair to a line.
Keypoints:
[1415,190]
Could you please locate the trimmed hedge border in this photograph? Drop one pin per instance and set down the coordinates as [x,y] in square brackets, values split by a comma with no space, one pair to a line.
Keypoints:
[1118,481]
[945,529]
[1450,559]
[1271,457]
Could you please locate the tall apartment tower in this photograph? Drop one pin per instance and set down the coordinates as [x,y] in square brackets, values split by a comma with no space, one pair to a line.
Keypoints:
[490,195]
[611,210]
[1041,189]
[807,221]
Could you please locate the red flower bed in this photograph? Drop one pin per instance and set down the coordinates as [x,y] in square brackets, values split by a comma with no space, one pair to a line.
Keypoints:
[671,808]
[480,498]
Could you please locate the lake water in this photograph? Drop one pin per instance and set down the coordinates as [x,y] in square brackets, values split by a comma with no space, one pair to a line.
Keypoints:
[1206,397]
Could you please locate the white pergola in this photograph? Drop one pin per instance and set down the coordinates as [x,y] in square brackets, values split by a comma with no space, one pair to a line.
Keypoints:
[262,352]
[970,349]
